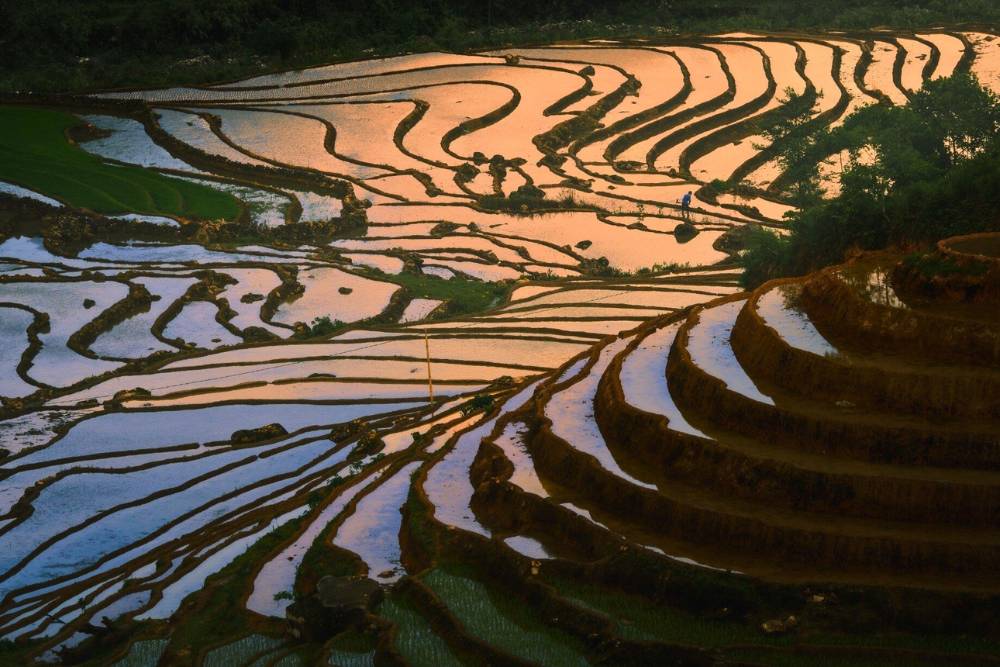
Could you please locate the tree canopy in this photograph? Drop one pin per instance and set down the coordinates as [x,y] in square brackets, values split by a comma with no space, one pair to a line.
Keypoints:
[58,45]
[914,174]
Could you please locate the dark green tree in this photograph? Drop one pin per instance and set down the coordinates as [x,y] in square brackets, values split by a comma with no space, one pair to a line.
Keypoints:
[795,140]
[914,174]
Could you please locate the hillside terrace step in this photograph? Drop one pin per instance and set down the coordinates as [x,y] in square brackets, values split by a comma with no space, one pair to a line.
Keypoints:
[857,304]
[645,428]
[776,341]
[724,393]
[759,529]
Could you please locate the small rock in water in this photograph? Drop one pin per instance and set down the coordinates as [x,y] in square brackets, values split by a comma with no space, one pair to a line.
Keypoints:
[339,602]
[259,434]
[684,232]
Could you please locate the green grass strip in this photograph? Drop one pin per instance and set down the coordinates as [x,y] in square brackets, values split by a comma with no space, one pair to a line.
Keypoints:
[35,153]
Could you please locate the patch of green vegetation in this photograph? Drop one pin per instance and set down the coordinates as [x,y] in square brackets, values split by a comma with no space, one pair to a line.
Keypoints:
[143,653]
[351,659]
[501,620]
[415,639]
[35,153]
[322,326]
[664,267]
[932,264]
[791,133]
[530,200]
[717,186]
[241,651]
[600,267]
[352,649]
[639,619]
[916,174]
[479,403]
[296,658]
[131,644]
[463,296]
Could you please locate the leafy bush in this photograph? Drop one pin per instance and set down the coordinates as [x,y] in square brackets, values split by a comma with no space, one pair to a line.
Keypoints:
[528,200]
[916,174]
[324,326]
[932,264]
[479,403]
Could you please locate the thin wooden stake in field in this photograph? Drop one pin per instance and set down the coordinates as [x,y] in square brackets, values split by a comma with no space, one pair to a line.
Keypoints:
[430,381]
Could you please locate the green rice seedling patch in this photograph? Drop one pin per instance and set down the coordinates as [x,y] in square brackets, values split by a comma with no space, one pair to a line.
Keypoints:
[293,659]
[241,651]
[35,153]
[352,649]
[144,653]
[415,639]
[502,621]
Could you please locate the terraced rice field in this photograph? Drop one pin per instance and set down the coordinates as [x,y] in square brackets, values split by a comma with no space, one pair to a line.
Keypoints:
[492,413]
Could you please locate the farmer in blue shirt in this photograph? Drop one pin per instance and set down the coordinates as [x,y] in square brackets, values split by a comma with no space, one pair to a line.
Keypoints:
[686,206]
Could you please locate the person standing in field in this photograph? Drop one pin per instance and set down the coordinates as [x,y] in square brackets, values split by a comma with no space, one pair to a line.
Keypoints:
[686,206]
